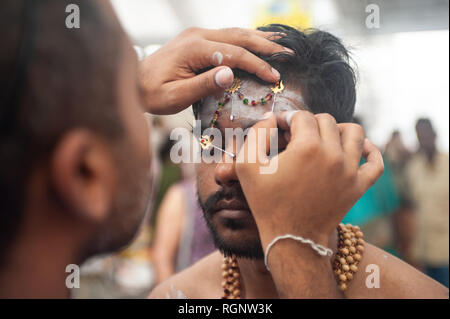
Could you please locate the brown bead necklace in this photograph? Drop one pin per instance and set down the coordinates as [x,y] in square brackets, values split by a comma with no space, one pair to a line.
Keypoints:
[345,264]
[231,283]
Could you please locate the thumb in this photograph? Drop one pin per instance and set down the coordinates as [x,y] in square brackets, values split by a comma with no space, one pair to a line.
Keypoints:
[223,77]
[209,82]
[258,141]
[184,93]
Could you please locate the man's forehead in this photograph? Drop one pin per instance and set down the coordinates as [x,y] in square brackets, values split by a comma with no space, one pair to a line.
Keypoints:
[247,115]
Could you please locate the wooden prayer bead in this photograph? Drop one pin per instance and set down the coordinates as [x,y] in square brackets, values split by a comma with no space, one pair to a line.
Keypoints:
[350,248]
[348,256]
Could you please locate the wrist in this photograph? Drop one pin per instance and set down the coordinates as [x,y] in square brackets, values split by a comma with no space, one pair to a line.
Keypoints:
[269,231]
[294,252]
[319,249]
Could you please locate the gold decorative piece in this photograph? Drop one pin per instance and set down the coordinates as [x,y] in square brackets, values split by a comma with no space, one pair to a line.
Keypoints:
[279,87]
[236,85]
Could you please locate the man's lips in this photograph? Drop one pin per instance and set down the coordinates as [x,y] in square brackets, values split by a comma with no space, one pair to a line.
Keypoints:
[232,209]
[233,204]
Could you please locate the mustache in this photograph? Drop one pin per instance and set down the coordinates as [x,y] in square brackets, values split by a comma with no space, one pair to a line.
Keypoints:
[210,204]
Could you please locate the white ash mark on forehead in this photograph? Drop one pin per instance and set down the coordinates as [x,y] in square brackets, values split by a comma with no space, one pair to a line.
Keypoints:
[287,100]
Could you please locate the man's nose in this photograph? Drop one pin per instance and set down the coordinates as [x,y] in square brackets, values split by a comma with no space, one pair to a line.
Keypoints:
[225,172]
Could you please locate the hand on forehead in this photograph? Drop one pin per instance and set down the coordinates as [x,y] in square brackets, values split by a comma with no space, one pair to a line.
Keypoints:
[247,115]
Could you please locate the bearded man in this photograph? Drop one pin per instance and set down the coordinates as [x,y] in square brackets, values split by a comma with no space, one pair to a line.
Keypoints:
[317,79]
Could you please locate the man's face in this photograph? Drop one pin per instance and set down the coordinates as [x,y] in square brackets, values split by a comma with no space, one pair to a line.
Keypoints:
[219,192]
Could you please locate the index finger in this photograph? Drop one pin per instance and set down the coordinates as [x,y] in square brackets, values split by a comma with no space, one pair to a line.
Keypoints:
[370,171]
[302,125]
[236,57]
[256,41]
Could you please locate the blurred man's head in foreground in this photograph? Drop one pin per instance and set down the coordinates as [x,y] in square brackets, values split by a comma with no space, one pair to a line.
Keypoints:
[74,144]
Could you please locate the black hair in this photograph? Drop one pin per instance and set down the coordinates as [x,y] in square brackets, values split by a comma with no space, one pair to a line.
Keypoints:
[424,121]
[52,79]
[321,69]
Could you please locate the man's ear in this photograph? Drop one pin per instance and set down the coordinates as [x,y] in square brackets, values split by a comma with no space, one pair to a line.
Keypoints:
[83,174]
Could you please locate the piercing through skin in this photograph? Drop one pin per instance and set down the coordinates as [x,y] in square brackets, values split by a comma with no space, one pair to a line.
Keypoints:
[232,110]
[274,100]
[279,87]
[235,86]
[232,155]
[205,143]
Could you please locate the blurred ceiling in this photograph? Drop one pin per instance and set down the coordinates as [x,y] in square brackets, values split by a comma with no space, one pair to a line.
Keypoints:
[157,21]
[396,15]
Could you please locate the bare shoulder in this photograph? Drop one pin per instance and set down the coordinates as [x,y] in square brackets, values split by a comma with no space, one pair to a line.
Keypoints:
[382,275]
[200,281]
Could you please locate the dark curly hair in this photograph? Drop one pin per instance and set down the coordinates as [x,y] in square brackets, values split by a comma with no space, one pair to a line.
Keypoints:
[321,68]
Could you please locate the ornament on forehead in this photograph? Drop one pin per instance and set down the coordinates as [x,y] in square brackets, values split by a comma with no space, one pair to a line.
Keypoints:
[236,85]
[278,88]
[205,141]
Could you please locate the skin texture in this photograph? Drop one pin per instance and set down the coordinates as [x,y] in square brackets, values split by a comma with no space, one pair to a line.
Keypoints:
[397,280]
[296,270]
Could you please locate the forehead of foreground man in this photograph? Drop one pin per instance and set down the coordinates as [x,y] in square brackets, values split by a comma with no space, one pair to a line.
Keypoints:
[70,110]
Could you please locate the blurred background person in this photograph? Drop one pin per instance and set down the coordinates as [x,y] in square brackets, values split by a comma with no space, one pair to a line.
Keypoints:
[428,197]
[396,155]
[375,211]
[181,234]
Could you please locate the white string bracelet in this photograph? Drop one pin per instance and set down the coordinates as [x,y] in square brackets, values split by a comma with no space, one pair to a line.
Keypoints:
[321,250]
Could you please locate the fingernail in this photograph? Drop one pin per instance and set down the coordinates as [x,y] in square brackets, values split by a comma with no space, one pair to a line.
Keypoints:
[289,116]
[224,77]
[267,115]
[289,50]
[276,73]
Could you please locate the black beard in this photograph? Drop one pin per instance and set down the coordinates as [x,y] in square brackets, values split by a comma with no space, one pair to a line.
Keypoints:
[246,249]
